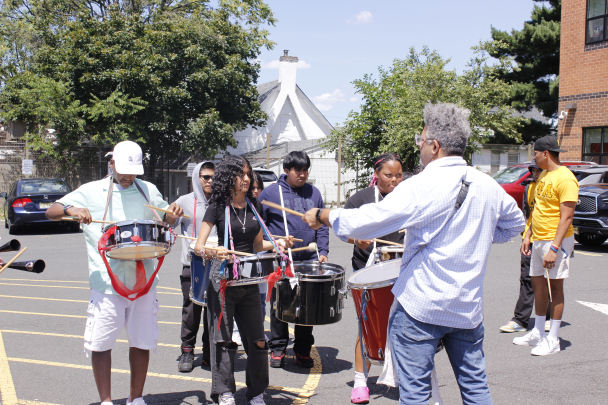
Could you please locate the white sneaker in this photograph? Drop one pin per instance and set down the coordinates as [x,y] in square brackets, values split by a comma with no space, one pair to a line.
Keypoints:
[512,326]
[138,401]
[236,338]
[529,339]
[546,347]
[547,326]
[227,398]
[257,400]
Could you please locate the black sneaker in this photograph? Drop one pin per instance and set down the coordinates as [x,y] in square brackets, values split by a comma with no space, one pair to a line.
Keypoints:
[276,359]
[186,361]
[304,361]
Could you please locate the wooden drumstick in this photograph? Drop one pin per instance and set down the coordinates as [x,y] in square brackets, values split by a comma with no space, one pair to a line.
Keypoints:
[403,230]
[548,284]
[94,220]
[164,210]
[277,206]
[388,242]
[13,259]
[286,237]
[229,251]
[312,247]
[186,237]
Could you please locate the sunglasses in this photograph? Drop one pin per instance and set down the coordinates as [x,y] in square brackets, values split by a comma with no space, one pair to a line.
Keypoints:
[206,177]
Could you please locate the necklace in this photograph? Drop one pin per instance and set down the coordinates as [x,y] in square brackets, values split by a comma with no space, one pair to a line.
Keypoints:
[239,219]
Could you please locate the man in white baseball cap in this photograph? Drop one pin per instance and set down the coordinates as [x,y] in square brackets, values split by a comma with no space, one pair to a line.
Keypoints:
[131,305]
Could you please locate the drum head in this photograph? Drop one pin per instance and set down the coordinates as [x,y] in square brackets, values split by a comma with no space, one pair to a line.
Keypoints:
[378,275]
[317,269]
[131,251]
[211,241]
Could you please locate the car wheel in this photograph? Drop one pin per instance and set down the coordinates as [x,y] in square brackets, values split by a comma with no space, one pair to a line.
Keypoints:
[12,229]
[75,227]
[589,239]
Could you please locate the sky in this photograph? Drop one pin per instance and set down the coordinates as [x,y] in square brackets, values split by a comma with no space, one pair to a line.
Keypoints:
[338,41]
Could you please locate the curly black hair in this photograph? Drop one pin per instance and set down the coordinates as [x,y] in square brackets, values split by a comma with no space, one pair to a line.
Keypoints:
[222,188]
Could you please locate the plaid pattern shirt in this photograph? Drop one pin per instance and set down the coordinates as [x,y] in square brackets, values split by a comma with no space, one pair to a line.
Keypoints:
[443,283]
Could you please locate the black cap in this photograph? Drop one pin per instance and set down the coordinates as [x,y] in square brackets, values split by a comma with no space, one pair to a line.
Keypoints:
[549,143]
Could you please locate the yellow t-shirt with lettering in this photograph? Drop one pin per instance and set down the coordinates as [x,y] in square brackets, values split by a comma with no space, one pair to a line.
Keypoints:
[552,189]
[531,200]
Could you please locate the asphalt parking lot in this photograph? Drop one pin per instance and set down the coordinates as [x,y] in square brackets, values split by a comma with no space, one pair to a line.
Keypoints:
[42,322]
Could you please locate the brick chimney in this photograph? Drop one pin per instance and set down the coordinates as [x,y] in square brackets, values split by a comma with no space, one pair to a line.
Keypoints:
[288,66]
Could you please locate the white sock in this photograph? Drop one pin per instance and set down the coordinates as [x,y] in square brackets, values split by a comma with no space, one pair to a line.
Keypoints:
[360,380]
[129,400]
[554,331]
[107,403]
[539,325]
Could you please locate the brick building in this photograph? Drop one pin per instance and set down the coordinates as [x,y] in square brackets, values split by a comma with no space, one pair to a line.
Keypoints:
[583,80]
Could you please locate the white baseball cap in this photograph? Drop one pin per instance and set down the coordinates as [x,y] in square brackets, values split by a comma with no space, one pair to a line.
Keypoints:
[127,158]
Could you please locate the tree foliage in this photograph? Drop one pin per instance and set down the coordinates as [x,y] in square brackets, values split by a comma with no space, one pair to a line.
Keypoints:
[392,111]
[172,75]
[534,74]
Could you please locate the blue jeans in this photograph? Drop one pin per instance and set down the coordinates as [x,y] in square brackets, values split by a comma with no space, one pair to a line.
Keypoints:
[414,344]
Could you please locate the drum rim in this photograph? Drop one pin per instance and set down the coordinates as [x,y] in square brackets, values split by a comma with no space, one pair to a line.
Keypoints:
[392,249]
[246,281]
[165,246]
[319,277]
[372,286]
[139,221]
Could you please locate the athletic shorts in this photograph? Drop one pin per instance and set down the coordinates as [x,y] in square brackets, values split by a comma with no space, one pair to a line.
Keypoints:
[540,248]
[108,314]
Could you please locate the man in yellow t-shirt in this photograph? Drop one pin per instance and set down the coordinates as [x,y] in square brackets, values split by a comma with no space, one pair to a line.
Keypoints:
[556,195]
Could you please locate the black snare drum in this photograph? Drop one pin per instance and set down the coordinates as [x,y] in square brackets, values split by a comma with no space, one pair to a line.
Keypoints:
[313,297]
[139,239]
[252,269]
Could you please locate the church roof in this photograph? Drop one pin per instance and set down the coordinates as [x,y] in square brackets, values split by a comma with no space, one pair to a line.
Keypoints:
[265,89]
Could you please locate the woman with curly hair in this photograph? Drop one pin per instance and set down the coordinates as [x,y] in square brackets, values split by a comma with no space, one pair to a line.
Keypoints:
[232,193]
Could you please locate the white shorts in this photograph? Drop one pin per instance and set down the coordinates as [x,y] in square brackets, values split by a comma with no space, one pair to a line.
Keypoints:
[540,248]
[108,314]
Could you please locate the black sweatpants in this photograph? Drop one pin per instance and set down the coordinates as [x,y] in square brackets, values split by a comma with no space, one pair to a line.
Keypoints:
[191,315]
[525,302]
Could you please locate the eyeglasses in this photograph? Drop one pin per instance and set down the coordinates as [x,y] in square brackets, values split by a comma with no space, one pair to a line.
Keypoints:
[206,177]
[418,139]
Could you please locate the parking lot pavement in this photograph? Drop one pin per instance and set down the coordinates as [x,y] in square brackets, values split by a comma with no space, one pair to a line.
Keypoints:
[42,320]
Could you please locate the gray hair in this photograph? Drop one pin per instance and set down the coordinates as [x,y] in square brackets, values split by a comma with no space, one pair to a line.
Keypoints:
[449,125]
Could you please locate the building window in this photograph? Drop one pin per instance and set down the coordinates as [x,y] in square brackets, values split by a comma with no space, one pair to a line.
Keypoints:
[595,145]
[597,21]
[513,159]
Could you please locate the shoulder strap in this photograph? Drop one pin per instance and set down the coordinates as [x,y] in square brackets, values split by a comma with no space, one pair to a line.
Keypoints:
[146,198]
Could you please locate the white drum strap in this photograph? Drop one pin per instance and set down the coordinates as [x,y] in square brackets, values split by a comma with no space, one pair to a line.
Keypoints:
[285,221]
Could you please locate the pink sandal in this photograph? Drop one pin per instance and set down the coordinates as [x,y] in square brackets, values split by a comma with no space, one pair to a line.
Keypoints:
[360,395]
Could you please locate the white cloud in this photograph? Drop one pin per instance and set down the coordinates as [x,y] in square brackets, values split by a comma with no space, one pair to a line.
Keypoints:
[326,101]
[364,17]
[274,64]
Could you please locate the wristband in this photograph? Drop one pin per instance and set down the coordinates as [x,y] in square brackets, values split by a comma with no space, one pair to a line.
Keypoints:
[65,209]
[318,215]
[554,248]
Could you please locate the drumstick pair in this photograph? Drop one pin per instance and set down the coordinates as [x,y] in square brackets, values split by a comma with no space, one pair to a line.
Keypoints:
[94,220]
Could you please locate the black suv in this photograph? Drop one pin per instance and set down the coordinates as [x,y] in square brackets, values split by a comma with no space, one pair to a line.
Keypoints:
[591,215]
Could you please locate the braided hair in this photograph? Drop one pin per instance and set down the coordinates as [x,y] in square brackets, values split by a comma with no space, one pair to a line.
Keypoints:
[223,186]
[380,161]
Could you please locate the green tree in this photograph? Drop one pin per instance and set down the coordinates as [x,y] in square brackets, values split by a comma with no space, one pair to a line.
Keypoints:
[172,75]
[392,111]
[534,74]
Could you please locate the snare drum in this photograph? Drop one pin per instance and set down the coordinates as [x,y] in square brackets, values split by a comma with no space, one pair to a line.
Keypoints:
[313,297]
[390,253]
[199,273]
[252,269]
[139,239]
[372,286]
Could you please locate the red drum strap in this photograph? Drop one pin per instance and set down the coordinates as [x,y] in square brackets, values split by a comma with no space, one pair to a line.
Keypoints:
[140,288]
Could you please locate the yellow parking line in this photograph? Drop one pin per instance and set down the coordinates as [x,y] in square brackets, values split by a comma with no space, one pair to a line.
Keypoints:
[67,316]
[71,281]
[72,336]
[26,402]
[578,252]
[65,300]
[150,374]
[78,288]
[7,387]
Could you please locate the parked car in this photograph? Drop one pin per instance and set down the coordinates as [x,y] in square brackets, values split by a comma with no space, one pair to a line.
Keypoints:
[268,176]
[28,199]
[591,215]
[591,175]
[514,178]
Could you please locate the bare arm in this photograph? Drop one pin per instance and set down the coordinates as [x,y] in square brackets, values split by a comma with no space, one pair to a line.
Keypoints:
[566,210]
[177,212]
[206,228]
[261,245]
[55,213]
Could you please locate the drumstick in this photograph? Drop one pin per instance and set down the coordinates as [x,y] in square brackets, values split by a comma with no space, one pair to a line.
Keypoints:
[186,237]
[277,206]
[403,230]
[286,237]
[548,284]
[13,259]
[94,220]
[164,210]
[311,247]
[388,242]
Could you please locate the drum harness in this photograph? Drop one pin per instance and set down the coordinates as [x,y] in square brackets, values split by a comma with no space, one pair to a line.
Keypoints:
[141,287]
[462,195]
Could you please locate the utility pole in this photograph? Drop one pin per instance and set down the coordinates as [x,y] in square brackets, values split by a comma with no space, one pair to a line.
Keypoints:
[339,166]
[268,150]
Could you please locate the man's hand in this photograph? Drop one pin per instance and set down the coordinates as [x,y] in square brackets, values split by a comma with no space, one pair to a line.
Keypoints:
[176,210]
[323,259]
[363,244]
[286,243]
[525,247]
[550,259]
[83,214]
[311,219]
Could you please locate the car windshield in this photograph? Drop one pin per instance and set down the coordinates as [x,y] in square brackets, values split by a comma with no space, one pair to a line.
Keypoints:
[268,176]
[510,175]
[43,187]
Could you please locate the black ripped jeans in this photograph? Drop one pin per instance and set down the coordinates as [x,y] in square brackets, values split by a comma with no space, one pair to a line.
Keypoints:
[242,304]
